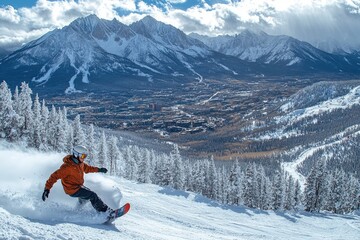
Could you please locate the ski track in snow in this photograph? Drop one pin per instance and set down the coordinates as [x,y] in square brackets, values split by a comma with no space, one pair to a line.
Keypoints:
[188,66]
[84,69]
[291,167]
[156,212]
[45,78]
[225,67]
[342,102]
[210,98]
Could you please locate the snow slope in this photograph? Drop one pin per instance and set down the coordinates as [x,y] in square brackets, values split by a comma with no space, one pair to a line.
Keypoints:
[156,213]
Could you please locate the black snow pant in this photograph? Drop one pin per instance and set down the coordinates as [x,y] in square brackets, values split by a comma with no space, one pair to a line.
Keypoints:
[86,194]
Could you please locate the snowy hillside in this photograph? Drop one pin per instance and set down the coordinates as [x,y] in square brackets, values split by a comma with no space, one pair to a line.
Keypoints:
[336,100]
[157,213]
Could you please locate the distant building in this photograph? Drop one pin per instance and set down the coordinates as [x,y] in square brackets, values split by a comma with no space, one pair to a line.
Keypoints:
[155,107]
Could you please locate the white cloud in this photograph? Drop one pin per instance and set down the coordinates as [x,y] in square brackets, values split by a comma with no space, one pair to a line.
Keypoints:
[9,14]
[324,23]
[25,24]
[177,1]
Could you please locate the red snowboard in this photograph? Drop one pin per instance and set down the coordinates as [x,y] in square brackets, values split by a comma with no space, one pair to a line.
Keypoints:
[117,213]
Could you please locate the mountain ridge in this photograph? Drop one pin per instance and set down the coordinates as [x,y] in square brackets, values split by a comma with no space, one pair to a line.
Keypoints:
[91,54]
[94,48]
[265,48]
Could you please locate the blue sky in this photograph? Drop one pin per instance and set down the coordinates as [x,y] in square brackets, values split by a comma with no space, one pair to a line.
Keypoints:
[17,3]
[329,23]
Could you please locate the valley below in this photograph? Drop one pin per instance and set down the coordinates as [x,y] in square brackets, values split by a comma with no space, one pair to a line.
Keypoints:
[208,118]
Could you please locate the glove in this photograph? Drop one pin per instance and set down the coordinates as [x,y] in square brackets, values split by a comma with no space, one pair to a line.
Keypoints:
[45,194]
[103,170]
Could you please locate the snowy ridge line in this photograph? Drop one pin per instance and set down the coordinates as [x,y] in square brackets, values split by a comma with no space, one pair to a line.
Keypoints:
[291,167]
[342,102]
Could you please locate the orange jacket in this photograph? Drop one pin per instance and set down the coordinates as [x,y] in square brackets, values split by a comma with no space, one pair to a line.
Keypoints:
[71,175]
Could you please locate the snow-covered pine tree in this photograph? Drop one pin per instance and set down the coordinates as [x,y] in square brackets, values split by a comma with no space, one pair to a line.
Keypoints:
[178,171]
[103,151]
[79,135]
[289,200]
[249,187]
[91,145]
[334,191]
[130,164]
[120,166]
[163,171]
[36,134]
[223,185]
[278,191]
[25,108]
[143,163]
[268,193]
[297,194]
[350,197]
[188,178]
[354,194]
[16,102]
[9,119]
[69,131]
[155,177]
[114,155]
[235,185]
[153,160]
[314,194]
[150,167]
[17,108]
[263,187]
[126,156]
[61,132]
[194,169]
[52,126]
[212,180]
[45,122]
[199,176]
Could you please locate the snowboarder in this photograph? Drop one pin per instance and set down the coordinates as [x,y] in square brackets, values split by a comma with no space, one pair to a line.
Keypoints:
[71,174]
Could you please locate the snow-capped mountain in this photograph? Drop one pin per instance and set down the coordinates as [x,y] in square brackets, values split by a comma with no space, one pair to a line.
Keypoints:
[96,54]
[280,50]
[109,54]
[65,55]
[170,37]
